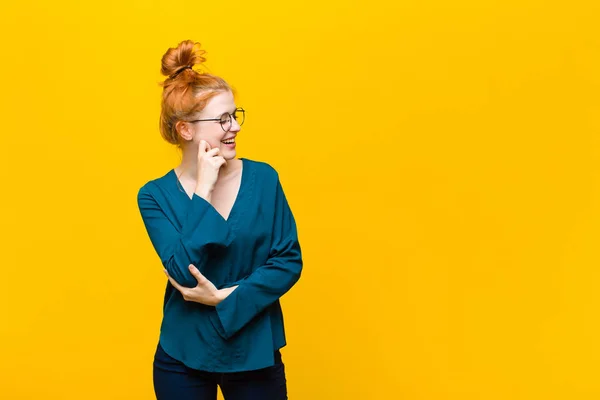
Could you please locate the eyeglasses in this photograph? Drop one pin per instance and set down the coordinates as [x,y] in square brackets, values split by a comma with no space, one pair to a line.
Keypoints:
[226,119]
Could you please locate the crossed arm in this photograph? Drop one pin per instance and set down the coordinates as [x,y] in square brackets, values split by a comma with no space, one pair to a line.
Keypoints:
[183,257]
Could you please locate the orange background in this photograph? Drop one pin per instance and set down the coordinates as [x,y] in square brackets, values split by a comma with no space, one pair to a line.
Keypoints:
[440,157]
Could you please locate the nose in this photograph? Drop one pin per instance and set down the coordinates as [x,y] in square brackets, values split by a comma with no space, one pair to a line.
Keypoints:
[235,127]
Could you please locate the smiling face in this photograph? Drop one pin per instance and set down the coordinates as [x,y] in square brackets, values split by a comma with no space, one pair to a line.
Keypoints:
[212,132]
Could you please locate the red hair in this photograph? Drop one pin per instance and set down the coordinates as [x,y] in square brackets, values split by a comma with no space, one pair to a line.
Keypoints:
[185,90]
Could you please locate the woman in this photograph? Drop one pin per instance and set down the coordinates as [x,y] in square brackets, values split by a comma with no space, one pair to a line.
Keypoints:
[227,239]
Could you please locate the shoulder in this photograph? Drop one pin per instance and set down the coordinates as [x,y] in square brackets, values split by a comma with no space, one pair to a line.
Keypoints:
[155,185]
[263,170]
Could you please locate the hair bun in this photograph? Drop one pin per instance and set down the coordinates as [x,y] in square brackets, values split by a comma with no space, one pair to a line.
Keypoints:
[176,60]
[179,70]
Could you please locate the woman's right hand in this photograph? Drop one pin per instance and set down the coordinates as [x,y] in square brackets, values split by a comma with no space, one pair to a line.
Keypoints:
[210,162]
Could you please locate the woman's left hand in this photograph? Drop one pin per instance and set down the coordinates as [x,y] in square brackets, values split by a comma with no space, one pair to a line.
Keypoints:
[205,292]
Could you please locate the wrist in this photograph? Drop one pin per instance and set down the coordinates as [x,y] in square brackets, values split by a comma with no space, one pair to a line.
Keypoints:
[223,293]
[204,191]
[220,296]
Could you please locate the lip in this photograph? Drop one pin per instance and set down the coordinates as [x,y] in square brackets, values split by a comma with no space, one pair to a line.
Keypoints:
[232,137]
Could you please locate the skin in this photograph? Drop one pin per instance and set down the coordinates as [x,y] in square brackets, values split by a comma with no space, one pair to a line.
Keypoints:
[209,169]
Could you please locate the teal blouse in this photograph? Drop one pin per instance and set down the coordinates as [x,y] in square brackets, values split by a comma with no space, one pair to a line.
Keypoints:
[256,247]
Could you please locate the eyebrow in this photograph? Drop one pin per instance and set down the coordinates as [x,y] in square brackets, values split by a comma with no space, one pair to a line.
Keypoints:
[225,112]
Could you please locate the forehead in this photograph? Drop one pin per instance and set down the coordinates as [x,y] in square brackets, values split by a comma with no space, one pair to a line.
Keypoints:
[219,104]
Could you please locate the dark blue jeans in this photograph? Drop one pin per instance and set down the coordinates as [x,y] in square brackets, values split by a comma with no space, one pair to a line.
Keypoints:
[175,381]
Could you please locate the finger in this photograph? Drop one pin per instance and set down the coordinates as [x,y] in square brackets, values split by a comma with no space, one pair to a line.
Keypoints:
[203,147]
[173,282]
[197,274]
[221,161]
[212,152]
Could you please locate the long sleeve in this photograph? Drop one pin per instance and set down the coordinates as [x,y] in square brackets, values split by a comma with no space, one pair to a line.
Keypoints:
[177,248]
[269,282]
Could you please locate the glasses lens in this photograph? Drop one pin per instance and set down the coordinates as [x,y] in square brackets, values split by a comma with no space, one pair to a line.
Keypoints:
[239,115]
[226,122]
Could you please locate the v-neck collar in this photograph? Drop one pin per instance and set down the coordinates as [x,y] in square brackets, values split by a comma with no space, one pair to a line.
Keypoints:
[241,189]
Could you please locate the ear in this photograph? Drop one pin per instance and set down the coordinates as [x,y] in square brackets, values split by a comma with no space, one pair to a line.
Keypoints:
[185,130]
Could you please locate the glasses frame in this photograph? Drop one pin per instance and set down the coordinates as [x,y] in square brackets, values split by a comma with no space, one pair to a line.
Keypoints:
[221,121]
